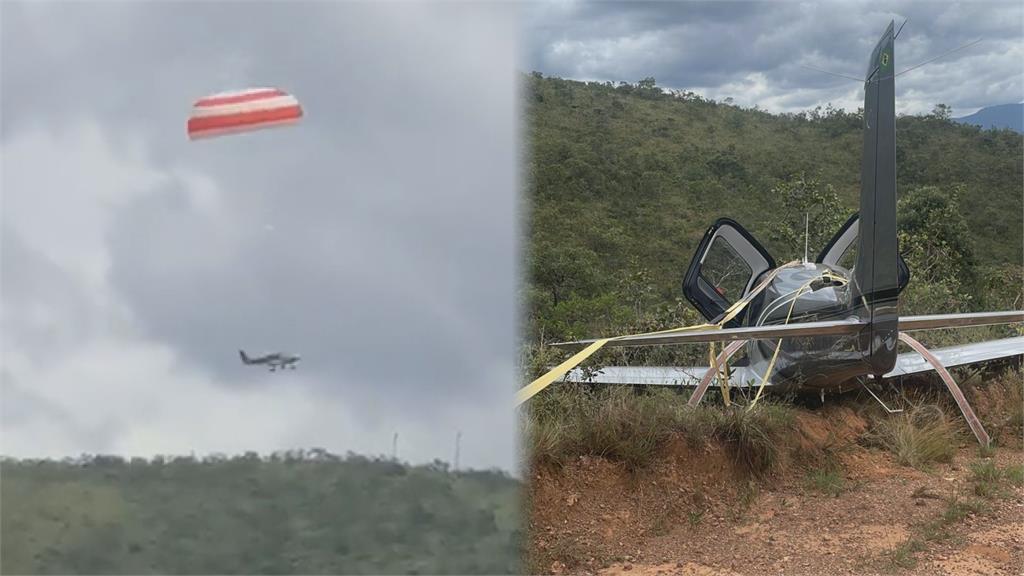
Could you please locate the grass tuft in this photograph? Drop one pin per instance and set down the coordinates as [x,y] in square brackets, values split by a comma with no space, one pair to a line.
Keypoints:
[1015,474]
[923,435]
[986,451]
[1015,399]
[987,477]
[958,508]
[755,436]
[903,556]
[935,531]
[828,480]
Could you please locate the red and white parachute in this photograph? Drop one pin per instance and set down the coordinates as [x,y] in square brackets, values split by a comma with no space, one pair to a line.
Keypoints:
[242,111]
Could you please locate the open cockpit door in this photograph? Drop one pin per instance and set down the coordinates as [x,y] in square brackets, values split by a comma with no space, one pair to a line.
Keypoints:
[725,267]
[841,252]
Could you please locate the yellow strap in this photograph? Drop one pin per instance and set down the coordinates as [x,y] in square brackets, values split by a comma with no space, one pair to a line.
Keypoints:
[526,392]
[720,371]
[723,377]
[778,346]
[530,390]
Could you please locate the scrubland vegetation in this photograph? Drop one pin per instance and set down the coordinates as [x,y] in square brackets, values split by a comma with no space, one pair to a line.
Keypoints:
[295,513]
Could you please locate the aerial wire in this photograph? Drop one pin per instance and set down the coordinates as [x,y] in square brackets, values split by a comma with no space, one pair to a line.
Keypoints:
[930,60]
[940,56]
[833,73]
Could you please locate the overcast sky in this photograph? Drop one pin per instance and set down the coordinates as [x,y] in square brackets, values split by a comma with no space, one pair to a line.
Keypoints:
[377,238]
[753,51]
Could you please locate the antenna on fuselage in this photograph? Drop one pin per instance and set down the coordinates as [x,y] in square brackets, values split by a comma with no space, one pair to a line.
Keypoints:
[807,228]
[897,35]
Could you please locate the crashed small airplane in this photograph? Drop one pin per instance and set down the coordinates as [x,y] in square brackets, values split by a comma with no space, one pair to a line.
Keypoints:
[827,325]
[273,360]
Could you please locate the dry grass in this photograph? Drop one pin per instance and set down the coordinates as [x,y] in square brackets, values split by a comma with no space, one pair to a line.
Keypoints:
[922,435]
[903,556]
[757,437]
[614,423]
[628,426]
[998,399]
[990,480]
[1015,399]
[1014,475]
[827,480]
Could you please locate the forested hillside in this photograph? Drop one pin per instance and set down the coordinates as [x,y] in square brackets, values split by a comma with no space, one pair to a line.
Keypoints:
[295,513]
[622,181]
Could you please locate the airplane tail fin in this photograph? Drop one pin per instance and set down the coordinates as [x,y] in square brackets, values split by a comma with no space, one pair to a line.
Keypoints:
[876,272]
[245,358]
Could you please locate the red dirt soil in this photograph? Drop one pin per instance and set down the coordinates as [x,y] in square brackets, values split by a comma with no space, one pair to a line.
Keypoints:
[693,513]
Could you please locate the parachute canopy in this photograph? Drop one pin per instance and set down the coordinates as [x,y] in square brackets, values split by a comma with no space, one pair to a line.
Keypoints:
[242,111]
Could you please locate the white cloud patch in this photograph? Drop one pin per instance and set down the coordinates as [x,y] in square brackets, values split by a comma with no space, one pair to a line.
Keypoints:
[59,191]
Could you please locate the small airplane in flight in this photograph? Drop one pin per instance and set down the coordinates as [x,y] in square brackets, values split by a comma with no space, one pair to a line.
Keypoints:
[814,326]
[273,360]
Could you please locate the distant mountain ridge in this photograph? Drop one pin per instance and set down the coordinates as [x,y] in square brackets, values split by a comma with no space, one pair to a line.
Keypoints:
[1001,116]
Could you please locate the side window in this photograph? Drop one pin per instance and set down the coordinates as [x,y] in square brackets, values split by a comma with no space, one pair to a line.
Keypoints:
[725,270]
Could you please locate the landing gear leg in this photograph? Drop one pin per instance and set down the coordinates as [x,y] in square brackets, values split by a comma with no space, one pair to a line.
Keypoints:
[961,401]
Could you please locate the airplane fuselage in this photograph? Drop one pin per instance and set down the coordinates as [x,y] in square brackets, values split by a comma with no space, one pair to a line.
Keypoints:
[273,361]
[808,363]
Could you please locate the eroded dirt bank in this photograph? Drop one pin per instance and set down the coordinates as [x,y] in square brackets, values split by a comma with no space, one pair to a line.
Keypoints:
[694,512]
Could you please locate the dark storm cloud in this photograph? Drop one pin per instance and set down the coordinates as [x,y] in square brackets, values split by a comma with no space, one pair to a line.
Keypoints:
[753,51]
[377,238]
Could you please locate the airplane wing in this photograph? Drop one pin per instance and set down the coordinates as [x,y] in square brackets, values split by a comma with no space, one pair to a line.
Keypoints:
[740,376]
[827,328]
[961,355]
[937,321]
[657,375]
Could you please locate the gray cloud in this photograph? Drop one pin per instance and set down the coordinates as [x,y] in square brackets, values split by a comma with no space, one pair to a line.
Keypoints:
[754,51]
[377,238]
